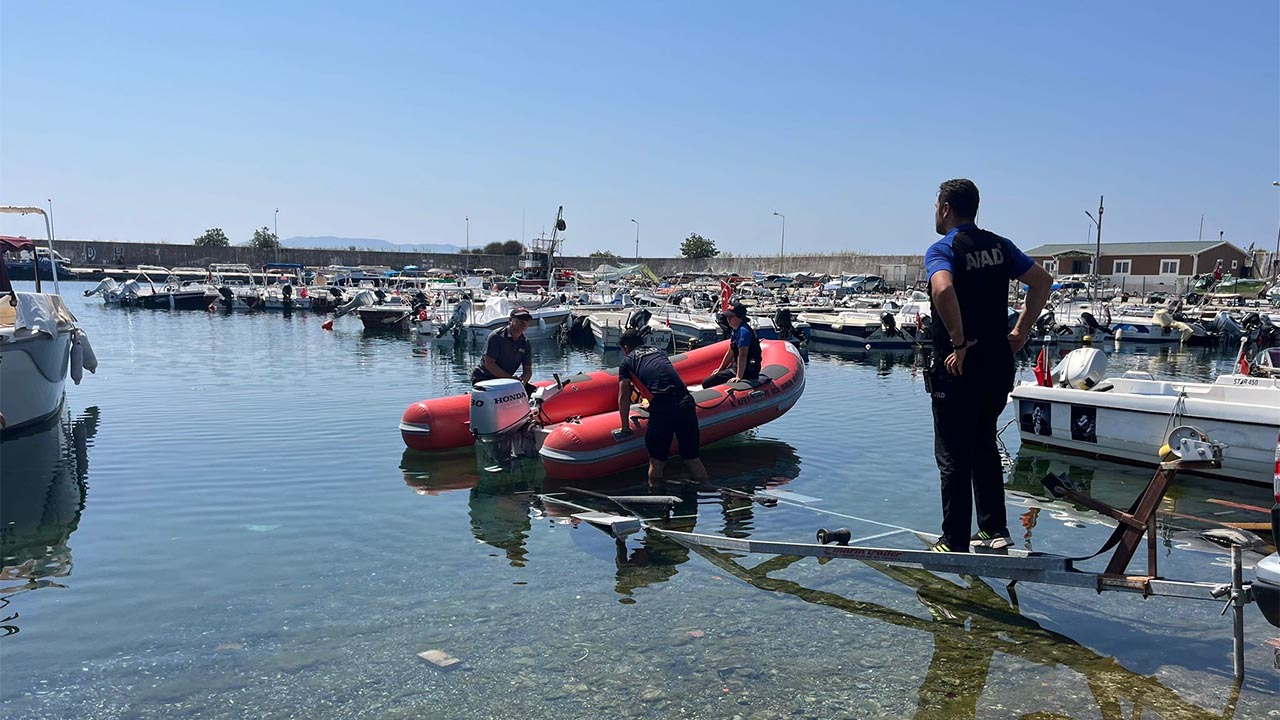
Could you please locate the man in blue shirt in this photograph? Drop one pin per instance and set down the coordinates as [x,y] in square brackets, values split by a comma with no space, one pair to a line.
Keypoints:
[507,350]
[672,410]
[742,359]
[973,361]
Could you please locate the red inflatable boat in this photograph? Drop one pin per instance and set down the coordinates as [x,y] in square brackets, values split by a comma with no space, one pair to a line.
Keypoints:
[445,423]
[585,448]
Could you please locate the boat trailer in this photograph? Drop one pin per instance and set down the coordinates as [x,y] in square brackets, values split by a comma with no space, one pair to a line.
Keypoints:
[1196,453]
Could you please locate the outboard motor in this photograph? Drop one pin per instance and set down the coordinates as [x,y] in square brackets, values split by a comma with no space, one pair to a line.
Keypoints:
[639,320]
[380,294]
[782,321]
[1091,322]
[228,296]
[502,421]
[889,324]
[1081,369]
[286,294]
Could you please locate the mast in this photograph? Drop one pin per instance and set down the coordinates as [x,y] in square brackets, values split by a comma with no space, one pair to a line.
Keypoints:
[551,250]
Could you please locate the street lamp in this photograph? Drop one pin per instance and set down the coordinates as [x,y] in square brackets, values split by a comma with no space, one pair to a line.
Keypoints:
[637,222]
[275,224]
[1275,270]
[1097,253]
[782,248]
[466,261]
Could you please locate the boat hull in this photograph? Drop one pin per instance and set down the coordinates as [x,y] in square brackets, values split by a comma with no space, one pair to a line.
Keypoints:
[440,424]
[1132,426]
[33,376]
[587,449]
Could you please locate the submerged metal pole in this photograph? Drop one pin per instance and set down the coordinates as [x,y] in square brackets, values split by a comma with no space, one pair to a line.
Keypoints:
[1237,614]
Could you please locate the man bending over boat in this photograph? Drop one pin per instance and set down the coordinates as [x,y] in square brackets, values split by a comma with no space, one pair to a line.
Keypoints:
[672,411]
[506,350]
[973,361]
[742,359]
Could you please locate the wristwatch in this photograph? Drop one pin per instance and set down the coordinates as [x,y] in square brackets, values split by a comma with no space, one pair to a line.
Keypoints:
[964,344]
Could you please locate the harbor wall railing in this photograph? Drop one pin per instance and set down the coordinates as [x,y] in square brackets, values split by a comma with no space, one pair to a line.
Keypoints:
[901,269]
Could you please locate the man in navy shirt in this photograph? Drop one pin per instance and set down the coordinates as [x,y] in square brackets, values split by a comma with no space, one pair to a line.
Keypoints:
[507,350]
[672,411]
[973,361]
[742,359]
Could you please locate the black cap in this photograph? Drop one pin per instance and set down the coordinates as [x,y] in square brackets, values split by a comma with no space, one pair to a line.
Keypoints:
[522,312]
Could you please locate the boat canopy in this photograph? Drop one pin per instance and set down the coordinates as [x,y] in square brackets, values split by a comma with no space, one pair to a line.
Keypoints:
[618,272]
[8,243]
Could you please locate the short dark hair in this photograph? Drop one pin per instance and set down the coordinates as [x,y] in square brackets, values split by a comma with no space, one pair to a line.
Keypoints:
[632,339]
[961,195]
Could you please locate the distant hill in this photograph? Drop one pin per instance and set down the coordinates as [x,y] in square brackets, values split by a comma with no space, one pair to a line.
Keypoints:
[342,243]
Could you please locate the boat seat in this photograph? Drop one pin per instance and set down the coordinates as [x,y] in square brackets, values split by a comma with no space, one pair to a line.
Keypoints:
[768,374]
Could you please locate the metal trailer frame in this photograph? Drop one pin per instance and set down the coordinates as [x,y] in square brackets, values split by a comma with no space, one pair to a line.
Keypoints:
[1009,564]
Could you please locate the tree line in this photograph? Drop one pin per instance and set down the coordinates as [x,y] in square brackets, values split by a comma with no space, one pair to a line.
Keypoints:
[694,246]
[263,239]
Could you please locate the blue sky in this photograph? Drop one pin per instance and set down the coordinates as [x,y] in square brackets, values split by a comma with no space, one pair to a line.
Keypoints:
[396,120]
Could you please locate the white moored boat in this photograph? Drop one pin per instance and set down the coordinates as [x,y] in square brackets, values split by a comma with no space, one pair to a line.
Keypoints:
[1129,417]
[39,345]
[607,328]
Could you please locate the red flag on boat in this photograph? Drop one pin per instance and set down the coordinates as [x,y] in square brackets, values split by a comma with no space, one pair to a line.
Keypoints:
[1242,362]
[1041,369]
[726,294]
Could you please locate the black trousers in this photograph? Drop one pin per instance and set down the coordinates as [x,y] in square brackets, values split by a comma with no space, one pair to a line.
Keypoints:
[721,377]
[966,410]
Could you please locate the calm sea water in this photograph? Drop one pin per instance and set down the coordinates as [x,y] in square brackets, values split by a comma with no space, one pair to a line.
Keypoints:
[226,525]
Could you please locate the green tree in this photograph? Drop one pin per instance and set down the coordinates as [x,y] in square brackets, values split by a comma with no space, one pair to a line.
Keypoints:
[493,248]
[213,237]
[696,246]
[513,247]
[604,254]
[264,239]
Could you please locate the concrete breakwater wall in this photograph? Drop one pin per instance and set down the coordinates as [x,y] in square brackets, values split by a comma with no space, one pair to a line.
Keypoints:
[96,253]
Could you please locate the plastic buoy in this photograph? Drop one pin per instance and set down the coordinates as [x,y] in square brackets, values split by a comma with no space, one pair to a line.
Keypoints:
[212,308]
[328,325]
[422,315]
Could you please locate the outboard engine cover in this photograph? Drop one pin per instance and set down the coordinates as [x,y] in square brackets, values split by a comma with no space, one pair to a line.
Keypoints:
[1081,369]
[498,407]
[1091,322]
[889,324]
[639,320]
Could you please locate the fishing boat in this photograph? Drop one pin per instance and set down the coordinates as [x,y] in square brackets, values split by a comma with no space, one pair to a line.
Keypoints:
[495,313]
[607,328]
[143,292]
[1074,407]
[289,290]
[40,345]
[884,331]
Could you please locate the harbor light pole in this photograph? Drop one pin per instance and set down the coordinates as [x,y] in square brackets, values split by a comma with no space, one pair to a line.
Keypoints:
[275,224]
[1097,252]
[1275,269]
[782,248]
[466,262]
[637,222]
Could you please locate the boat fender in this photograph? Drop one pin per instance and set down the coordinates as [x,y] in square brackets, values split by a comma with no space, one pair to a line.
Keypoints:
[90,362]
[77,361]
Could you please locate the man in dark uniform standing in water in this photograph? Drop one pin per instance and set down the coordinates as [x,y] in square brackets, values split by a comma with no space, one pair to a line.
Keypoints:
[973,361]
[672,411]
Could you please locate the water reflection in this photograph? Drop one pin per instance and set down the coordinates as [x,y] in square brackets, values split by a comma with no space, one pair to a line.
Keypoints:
[969,623]
[502,505]
[884,361]
[1191,504]
[42,494]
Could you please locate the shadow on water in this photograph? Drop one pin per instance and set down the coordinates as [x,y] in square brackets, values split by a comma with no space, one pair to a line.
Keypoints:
[970,622]
[42,494]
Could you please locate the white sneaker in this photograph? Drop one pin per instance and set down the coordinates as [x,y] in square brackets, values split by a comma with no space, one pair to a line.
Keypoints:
[984,539]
